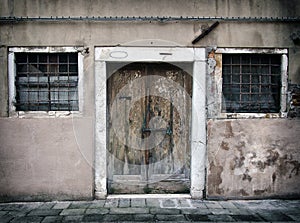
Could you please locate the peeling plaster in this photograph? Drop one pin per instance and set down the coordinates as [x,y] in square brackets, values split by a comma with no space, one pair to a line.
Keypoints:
[255,158]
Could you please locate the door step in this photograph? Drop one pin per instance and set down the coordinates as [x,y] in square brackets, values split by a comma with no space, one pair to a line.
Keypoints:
[148,196]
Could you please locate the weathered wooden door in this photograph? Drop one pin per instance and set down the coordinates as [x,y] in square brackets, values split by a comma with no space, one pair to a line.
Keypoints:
[149,107]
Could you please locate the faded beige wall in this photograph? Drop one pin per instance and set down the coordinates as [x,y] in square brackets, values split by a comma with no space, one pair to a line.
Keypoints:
[46,159]
[253,158]
[22,152]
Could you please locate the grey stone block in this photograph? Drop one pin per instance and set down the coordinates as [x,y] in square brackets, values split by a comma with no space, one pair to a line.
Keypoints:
[221,218]
[213,204]
[196,211]
[274,216]
[124,203]
[5,218]
[173,218]
[227,204]
[18,213]
[219,211]
[185,203]
[152,202]
[52,219]
[198,204]
[97,211]
[61,205]
[31,206]
[28,219]
[168,203]
[138,202]
[93,218]
[129,211]
[164,211]
[47,205]
[97,204]
[75,218]
[3,213]
[79,205]
[247,218]
[197,217]
[294,216]
[13,207]
[238,211]
[143,217]
[44,212]
[111,203]
[72,212]
[118,217]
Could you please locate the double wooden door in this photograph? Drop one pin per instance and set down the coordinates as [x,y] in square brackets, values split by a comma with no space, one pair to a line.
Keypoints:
[149,107]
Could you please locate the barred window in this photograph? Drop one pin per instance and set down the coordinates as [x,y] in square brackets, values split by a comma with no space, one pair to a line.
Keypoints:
[46,82]
[251,83]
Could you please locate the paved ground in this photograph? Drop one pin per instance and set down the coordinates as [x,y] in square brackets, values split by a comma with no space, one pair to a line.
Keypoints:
[152,210]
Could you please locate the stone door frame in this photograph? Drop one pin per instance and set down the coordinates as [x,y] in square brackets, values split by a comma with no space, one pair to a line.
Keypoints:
[197,57]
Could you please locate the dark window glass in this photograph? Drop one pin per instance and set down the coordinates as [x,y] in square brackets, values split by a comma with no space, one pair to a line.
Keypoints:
[251,83]
[46,82]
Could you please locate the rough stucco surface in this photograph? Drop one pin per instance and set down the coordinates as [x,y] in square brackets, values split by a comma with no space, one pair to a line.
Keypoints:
[40,159]
[253,158]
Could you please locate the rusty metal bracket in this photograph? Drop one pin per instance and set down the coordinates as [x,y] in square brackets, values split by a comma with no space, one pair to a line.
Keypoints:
[205,32]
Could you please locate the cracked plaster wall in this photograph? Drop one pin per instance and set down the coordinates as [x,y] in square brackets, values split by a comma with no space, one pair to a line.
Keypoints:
[39,158]
[253,158]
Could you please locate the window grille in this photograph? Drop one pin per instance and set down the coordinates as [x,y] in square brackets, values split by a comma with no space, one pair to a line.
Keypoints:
[46,82]
[251,83]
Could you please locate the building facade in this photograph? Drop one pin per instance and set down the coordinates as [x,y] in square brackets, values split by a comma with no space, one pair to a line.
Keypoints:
[149,97]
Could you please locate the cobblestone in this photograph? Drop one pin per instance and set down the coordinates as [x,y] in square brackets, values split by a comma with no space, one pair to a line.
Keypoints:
[52,219]
[97,211]
[25,219]
[72,212]
[111,203]
[3,213]
[164,211]
[138,202]
[97,204]
[79,205]
[173,218]
[44,212]
[152,210]
[47,205]
[129,210]
[124,203]
[62,205]
[75,218]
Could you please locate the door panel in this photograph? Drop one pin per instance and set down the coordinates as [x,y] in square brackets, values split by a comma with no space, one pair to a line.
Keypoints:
[148,129]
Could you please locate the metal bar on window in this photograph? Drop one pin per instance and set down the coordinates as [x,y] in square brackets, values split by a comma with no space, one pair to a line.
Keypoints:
[251,83]
[44,82]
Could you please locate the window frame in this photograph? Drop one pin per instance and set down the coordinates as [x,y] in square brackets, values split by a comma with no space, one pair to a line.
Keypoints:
[12,72]
[284,81]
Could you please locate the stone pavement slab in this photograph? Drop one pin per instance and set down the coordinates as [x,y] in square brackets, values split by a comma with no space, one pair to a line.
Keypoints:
[5,218]
[138,202]
[44,212]
[79,205]
[197,217]
[172,218]
[78,211]
[93,218]
[129,210]
[28,219]
[152,210]
[97,204]
[61,205]
[97,211]
[124,203]
[52,219]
